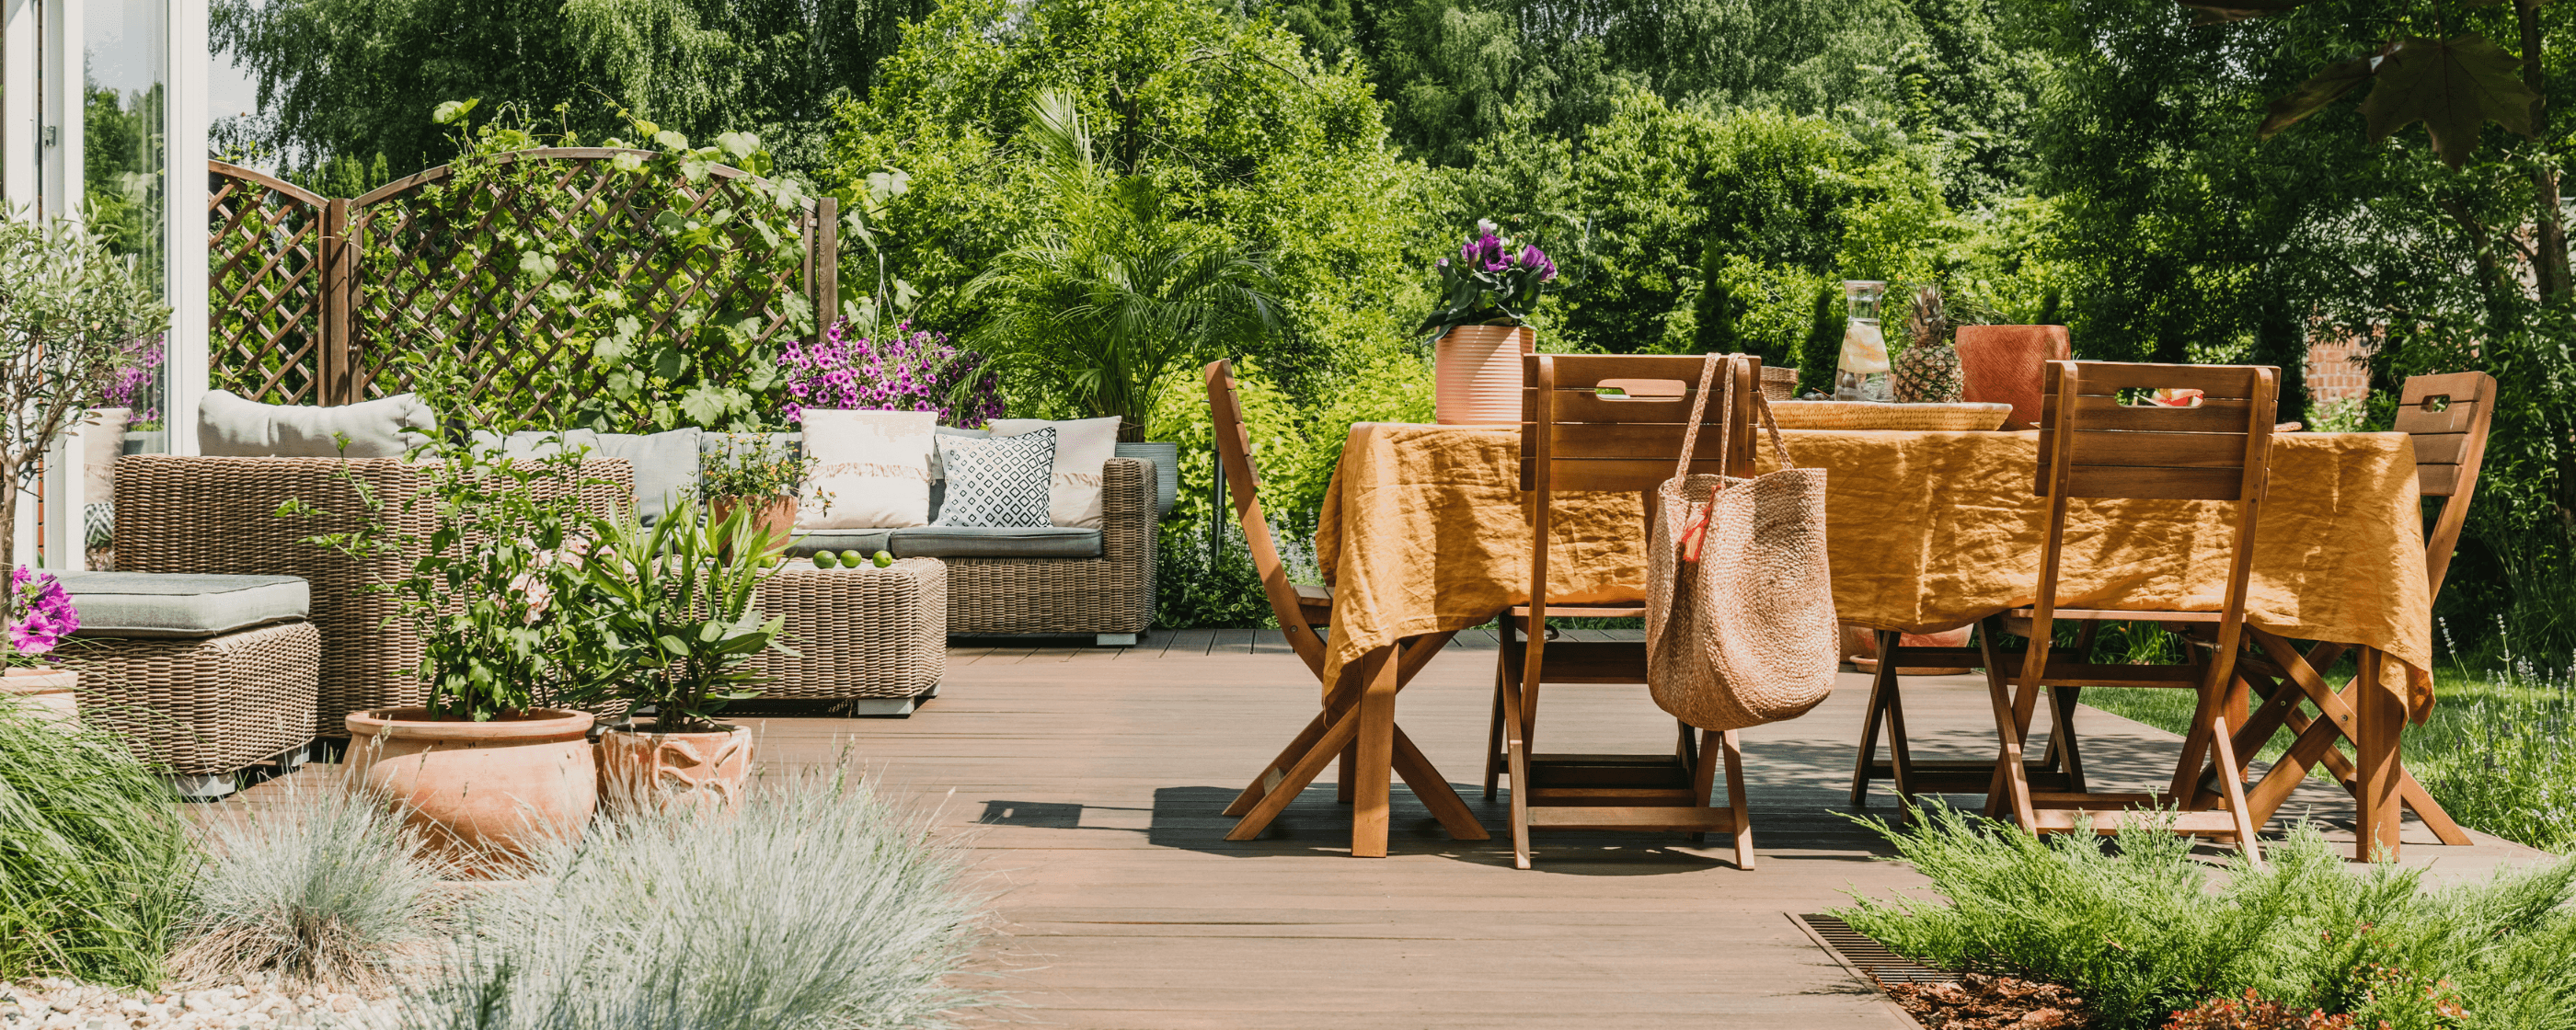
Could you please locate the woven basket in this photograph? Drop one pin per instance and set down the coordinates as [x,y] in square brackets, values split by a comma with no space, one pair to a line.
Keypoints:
[1779,384]
[1934,418]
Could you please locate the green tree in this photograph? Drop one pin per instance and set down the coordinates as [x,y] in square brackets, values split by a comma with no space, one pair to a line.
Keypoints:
[357,77]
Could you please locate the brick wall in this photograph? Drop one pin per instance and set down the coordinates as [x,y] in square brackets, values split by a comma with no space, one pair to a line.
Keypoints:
[2333,375]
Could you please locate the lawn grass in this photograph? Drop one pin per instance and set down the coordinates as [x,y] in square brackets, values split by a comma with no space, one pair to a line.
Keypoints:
[2494,753]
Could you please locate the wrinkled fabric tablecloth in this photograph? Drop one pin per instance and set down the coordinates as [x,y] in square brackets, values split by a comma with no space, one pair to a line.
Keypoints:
[1424,529]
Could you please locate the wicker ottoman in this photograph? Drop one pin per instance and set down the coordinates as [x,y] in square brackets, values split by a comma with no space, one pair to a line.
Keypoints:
[875,640]
[205,675]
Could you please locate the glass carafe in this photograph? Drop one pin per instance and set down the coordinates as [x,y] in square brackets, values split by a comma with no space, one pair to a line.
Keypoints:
[1861,374]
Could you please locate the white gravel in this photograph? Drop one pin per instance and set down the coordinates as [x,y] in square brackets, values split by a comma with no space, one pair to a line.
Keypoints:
[57,1004]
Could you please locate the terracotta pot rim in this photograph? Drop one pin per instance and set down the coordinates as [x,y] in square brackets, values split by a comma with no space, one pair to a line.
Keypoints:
[413,723]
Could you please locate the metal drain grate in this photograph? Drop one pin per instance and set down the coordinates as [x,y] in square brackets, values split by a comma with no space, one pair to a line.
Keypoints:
[1868,957]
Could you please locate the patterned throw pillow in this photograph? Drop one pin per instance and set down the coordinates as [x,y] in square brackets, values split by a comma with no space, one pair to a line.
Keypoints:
[997,481]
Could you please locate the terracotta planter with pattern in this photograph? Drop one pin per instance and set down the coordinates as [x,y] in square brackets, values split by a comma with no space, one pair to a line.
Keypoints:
[703,771]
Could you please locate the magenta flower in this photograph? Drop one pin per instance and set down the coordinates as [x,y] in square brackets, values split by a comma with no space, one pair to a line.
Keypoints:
[41,613]
[908,370]
[1532,257]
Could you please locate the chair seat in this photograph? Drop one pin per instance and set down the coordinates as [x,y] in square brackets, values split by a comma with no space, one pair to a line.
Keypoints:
[1585,611]
[1315,603]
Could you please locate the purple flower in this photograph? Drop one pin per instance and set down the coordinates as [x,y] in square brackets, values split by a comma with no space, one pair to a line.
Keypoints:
[42,613]
[1532,257]
[1485,252]
[908,370]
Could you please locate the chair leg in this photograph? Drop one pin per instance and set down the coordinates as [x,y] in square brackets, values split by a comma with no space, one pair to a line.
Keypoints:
[2231,777]
[2008,793]
[1517,755]
[1734,753]
[1494,731]
[1880,686]
[1269,778]
[1342,783]
[2061,732]
[1696,759]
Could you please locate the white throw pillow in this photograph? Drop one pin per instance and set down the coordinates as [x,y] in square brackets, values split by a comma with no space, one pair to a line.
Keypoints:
[875,464]
[1082,447]
[231,426]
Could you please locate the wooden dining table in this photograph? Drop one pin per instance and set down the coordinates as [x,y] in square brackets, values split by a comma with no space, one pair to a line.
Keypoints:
[1423,534]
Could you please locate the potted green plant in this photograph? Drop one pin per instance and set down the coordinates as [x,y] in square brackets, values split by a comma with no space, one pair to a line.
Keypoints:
[1485,296]
[759,482]
[500,754]
[685,609]
[1112,296]
[73,316]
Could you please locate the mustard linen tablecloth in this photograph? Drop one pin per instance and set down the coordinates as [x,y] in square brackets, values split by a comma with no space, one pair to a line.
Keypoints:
[1423,530]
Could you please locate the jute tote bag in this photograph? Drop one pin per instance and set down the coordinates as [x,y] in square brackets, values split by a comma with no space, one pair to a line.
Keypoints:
[1740,625]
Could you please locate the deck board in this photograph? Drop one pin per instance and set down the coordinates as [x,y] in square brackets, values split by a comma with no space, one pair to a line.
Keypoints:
[1088,783]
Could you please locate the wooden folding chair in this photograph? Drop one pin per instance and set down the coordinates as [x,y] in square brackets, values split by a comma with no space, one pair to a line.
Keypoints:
[2448,416]
[2061,767]
[1573,438]
[2093,446]
[1303,613]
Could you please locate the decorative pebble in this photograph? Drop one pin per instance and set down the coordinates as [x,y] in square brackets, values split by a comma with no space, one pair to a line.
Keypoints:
[57,1004]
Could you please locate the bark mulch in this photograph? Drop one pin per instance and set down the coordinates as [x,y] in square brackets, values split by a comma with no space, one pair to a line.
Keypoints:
[1978,1001]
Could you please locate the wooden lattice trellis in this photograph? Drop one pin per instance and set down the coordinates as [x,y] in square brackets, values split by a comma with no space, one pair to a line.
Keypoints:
[317,300]
[271,284]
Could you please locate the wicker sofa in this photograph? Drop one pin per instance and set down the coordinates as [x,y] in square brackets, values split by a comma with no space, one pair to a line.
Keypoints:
[219,515]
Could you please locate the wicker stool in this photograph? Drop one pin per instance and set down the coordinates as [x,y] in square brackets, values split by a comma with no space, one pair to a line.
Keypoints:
[874,639]
[197,673]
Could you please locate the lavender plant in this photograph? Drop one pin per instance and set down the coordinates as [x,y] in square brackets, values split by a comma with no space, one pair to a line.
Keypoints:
[907,370]
[1496,280]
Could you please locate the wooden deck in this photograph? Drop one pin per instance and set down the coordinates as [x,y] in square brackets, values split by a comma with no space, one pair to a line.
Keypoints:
[1088,781]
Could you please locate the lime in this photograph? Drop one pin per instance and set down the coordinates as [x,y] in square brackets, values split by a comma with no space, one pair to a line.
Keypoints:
[825,560]
[884,559]
[853,559]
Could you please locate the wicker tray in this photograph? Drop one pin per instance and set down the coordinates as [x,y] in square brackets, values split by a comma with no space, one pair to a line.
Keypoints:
[1938,418]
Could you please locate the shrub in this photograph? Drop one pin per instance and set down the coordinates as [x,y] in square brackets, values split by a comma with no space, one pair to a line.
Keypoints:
[1190,592]
[329,890]
[94,859]
[2142,932]
[815,905]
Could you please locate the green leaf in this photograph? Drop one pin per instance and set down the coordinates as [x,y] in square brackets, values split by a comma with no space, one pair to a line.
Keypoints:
[2320,89]
[2454,86]
[453,111]
[671,140]
[737,145]
[670,363]
[705,405]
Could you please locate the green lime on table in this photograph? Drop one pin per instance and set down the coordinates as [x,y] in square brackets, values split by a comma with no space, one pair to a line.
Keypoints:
[853,559]
[884,559]
[825,560]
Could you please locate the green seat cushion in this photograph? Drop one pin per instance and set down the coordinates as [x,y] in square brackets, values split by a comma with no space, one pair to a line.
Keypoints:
[158,604]
[995,542]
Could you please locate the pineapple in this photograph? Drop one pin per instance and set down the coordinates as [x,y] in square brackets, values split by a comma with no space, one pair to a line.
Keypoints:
[1928,370]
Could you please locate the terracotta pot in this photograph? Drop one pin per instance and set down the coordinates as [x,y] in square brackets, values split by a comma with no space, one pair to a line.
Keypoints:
[702,771]
[1860,648]
[2005,364]
[478,790]
[777,514]
[45,692]
[1477,373]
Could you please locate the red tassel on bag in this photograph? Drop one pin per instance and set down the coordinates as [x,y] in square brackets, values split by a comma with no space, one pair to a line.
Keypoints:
[1697,531]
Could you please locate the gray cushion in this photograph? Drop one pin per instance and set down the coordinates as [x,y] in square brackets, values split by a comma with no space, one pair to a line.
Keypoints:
[535,443]
[995,542]
[865,541]
[666,468]
[230,426]
[712,445]
[155,604]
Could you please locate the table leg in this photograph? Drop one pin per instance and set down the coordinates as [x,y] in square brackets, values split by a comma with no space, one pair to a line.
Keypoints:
[2379,716]
[1376,757]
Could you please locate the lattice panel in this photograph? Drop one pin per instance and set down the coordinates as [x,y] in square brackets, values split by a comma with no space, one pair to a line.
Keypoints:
[264,241]
[441,271]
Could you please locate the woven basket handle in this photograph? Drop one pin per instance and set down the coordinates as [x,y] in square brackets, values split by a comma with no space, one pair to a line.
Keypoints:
[1780,447]
[1699,411]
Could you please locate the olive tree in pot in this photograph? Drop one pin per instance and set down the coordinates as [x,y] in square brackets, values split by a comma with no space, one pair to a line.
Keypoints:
[500,755]
[681,600]
[1113,297]
[759,481]
[73,316]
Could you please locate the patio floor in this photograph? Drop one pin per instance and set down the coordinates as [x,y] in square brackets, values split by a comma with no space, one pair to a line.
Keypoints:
[1089,781]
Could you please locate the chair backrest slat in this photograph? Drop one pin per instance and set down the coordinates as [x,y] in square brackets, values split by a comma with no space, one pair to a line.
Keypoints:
[1243,486]
[2449,417]
[1628,443]
[2210,452]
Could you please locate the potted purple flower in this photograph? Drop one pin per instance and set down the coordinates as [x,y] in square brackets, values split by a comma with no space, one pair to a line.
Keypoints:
[39,615]
[1486,293]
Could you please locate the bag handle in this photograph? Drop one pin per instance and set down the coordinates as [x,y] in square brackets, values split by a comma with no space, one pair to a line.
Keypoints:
[1699,411]
[1726,430]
